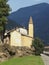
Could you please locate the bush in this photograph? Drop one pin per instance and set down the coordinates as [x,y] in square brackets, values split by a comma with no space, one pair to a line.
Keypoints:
[38,45]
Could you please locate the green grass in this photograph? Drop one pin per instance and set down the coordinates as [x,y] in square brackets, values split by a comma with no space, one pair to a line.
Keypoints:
[27,60]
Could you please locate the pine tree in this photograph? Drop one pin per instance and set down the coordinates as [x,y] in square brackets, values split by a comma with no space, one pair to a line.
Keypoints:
[4,12]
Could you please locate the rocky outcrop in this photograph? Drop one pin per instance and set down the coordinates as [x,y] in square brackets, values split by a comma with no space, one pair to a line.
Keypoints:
[7,52]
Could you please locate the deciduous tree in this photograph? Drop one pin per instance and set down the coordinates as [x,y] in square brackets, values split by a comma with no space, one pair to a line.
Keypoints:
[4,12]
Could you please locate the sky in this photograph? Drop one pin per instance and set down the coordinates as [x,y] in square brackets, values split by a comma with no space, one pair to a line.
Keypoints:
[17,4]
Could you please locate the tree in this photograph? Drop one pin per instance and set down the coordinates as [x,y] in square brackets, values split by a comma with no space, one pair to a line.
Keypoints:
[4,12]
[38,45]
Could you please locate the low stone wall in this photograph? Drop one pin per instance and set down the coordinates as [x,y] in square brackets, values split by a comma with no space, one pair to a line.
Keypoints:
[7,52]
[46,48]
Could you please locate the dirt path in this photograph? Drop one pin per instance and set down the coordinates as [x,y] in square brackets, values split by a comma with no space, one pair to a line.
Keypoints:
[45,59]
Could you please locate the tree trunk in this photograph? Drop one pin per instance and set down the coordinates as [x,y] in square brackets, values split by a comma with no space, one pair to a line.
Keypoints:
[0,37]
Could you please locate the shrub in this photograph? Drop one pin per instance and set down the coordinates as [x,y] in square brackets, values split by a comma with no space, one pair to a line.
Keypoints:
[38,45]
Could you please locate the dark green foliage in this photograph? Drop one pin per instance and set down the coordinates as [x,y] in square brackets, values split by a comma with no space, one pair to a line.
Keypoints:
[38,45]
[4,12]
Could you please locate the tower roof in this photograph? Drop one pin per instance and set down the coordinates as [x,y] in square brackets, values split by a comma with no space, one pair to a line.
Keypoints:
[30,20]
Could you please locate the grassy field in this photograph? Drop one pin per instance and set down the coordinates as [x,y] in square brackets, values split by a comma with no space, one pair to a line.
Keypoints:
[27,60]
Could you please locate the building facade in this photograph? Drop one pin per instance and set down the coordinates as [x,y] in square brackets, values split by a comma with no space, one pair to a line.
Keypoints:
[20,36]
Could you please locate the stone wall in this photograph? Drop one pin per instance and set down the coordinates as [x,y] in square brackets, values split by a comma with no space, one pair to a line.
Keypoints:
[26,41]
[15,38]
[7,52]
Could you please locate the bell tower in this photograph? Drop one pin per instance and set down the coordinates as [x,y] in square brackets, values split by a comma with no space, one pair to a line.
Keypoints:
[31,28]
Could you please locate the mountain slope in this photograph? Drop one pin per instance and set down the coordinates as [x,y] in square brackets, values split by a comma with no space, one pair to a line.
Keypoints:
[40,15]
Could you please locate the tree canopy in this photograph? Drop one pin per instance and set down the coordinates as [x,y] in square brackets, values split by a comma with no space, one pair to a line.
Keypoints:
[38,45]
[4,12]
